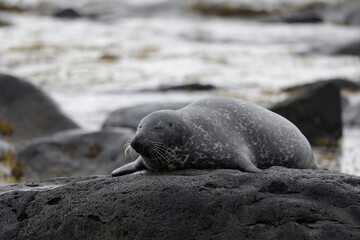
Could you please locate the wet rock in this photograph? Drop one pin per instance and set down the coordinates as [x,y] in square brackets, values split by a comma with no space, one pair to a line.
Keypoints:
[341,83]
[316,112]
[231,9]
[349,48]
[351,115]
[26,112]
[69,13]
[277,203]
[76,152]
[307,17]
[188,87]
[130,117]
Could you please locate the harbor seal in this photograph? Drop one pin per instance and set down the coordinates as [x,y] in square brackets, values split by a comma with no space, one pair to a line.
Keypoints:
[218,133]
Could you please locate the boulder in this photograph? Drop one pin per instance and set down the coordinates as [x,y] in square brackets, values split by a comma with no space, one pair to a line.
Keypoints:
[316,112]
[130,117]
[76,152]
[26,112]
[68,13]
[347,48]
[277,203]
[185,87]
[342,83]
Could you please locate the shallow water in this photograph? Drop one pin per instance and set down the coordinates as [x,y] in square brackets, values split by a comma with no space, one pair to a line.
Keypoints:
[92,67]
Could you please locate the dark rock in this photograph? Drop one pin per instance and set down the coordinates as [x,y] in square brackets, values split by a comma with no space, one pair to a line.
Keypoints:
[76,152]
[308,17]
[66,13]
[225,9]
[130,117]
[26,112]
[349,48]
[316,112]
[277,203]
[351,115]
[341,83]
[188,87]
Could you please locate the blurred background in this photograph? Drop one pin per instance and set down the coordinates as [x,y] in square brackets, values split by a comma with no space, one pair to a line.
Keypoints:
[77,76]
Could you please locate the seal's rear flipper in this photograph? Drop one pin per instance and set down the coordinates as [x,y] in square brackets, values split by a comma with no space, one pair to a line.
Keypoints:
[137,165]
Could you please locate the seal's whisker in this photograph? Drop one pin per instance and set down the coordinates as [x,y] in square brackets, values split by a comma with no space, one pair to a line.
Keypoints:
[155,155]
[168,155]
[163,156]
[163,146]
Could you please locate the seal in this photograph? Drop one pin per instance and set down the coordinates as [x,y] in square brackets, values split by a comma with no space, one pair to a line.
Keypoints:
[218,133]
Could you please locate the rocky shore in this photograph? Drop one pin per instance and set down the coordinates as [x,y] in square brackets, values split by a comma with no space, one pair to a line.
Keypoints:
[277,203]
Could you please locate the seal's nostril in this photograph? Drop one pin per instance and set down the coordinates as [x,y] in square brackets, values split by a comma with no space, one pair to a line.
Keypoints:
[135,143]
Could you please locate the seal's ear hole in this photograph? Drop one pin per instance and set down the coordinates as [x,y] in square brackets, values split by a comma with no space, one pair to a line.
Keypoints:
[139,126]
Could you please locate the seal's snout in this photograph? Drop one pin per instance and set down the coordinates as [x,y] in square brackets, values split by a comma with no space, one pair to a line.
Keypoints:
[137,142]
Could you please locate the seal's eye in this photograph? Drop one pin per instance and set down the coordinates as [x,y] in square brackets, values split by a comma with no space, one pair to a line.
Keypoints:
[170,124]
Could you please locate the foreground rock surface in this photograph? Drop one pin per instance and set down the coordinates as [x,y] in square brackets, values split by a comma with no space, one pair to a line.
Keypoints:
[277,203]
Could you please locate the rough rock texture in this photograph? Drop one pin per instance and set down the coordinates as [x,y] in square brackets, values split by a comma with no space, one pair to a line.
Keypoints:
[131,116]
[316,112]
[76,152]
[278,203]
[26,112]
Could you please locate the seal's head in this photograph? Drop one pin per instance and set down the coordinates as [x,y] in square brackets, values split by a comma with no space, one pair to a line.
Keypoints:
[159,139]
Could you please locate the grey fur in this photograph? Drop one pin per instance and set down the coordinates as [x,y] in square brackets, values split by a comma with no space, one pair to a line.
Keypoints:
[218,133]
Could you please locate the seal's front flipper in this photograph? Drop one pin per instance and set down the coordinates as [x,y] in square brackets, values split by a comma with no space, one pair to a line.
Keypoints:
[137,165]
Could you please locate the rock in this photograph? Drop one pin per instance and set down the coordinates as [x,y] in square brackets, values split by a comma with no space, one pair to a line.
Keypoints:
[351,115]
[277,203]
[66,13]
[26,112]
[348,48]
[76,152]
[130,117]
[341,83]
[188,87]
[229,9]
[316,112]
[307,17]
